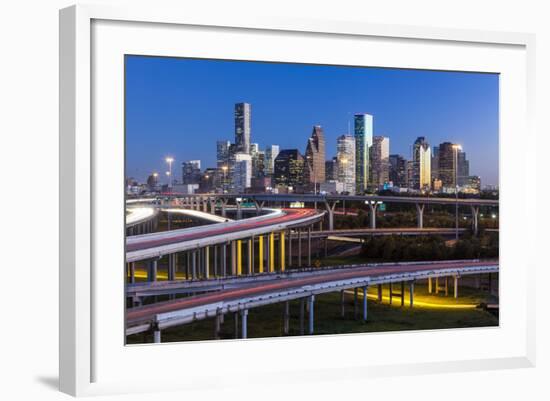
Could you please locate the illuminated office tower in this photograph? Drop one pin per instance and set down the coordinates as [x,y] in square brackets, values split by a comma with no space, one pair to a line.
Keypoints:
[242,127]
[289,169]
[380,163]
[447,164]
[363,129]
[463,168]
[345,160]
[331,170]
[422,160]
[314,169]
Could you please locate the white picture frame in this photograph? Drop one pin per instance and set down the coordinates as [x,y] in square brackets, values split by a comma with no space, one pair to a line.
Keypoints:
[83,349]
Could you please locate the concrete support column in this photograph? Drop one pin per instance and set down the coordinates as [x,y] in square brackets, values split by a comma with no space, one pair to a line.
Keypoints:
[402,293]
[282,250]
[156,336]
[391,293]
[475,216]
[299,247]
[455,286]
[380,293]
[233,258]
[205,205]
[411,294]
[429,285]
[244,321]
[251,255]
[207,262]
[212,205]
[215,261]
[437,285]
[373,206]
[261,254]
[239,210]
[365,289]
[223,204]
[420,215]
[289,248]
[446,286]
[311,302]
[194,265]
[330,211]
[152,270]
[286,318]
[224,260]
[309,246]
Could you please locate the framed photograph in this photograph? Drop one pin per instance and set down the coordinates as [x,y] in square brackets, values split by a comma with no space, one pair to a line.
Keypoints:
[296,197]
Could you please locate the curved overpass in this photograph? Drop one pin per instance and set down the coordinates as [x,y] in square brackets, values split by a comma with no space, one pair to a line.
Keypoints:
[288,287]
[155,245]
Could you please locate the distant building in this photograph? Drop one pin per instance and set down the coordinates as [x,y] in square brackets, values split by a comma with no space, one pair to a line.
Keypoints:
[191,172]
[258,161]
[271,153]
[472,184]
[186,189]
[447,164]
[435,163]
[242,127]
[153,182]
[363,129]
[261,184]
[345,162]
[422,158]
[289,169]
[207,180]
[463,169]
[398,171]
[331,187]
[314,168]
[331,169]
[380,163]
[242,173]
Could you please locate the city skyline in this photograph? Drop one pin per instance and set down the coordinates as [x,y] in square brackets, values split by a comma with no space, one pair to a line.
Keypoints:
[199,146]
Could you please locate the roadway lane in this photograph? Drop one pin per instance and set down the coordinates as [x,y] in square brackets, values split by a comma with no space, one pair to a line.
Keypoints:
[147,313]
[158,240]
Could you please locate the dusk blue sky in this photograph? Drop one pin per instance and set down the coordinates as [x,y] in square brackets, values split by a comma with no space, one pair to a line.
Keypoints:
[181,107]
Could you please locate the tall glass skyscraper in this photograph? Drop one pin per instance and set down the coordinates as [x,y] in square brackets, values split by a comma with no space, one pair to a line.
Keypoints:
[422,162]
[380,163]
[242,127]
[345,156]
[363,129]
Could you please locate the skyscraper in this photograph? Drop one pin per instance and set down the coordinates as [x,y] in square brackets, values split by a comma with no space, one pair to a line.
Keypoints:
[314,169]
[435,163]
[447,164]
[463,168]
[380,164]
[421,175]
[271,153]
[345,157]
[289,168]
[191,172]
[331,170]
[242,173]
[242,127]
[398,171]
[363,129]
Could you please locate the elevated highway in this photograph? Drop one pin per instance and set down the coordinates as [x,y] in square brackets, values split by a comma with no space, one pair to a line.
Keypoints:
[240,295]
